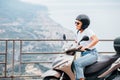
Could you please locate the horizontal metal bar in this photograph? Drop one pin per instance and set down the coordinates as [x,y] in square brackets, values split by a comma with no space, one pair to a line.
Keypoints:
[36,62]
[23,53]
[55,52]
[15,76]
[35,40]
[48,40]
[2,63]
[106,52]
[2,53]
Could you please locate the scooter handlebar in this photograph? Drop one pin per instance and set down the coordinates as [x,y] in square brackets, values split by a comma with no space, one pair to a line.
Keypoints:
[87,49]
[73,50]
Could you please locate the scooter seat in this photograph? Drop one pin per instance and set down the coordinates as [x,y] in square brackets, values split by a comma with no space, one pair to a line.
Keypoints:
[103,62]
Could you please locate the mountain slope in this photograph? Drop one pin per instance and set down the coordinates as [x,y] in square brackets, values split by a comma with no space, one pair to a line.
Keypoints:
[20,20]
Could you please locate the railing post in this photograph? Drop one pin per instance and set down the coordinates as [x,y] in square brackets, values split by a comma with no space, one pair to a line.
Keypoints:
[6,58]
[20,56]
[13,58]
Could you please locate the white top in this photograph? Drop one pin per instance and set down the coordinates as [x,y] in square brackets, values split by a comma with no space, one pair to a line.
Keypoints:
[87,32]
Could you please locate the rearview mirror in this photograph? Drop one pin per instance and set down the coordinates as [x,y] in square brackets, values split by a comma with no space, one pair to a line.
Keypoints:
[85,38]
[64,37]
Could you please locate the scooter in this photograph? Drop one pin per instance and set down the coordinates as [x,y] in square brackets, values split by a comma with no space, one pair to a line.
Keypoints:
[106,68]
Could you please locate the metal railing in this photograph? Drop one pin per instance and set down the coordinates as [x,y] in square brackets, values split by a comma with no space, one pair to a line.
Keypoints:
[9,47]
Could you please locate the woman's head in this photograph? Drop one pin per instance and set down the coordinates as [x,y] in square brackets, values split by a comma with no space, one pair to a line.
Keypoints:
[82,21]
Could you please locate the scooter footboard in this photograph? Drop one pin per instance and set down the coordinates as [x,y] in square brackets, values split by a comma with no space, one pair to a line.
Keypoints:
[50,73]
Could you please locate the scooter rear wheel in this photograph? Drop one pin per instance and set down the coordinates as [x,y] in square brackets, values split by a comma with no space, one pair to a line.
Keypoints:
[50,78]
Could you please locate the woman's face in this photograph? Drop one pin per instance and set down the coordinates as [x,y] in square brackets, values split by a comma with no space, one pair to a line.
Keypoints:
[78,24]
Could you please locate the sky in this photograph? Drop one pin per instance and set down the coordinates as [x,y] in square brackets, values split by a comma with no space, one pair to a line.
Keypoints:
[104,14]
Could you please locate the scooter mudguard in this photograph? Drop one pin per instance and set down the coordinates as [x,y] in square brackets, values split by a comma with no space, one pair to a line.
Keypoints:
[51,73]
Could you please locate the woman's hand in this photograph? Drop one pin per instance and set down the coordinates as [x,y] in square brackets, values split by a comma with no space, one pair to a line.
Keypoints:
[79,47]
[84,48]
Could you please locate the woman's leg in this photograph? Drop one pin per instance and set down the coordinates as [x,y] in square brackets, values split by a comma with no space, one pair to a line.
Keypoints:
[81,62]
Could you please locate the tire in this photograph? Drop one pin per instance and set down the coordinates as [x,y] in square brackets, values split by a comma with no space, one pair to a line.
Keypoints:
[50,78]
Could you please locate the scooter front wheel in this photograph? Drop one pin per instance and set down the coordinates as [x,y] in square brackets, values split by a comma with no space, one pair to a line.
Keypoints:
[50,78]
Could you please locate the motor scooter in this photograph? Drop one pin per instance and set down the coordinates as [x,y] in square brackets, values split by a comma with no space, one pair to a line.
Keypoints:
[106,68]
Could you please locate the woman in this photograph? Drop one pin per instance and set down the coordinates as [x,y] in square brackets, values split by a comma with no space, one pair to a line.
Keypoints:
[88,57]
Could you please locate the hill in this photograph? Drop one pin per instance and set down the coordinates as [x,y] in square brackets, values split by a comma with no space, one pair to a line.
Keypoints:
[19,20]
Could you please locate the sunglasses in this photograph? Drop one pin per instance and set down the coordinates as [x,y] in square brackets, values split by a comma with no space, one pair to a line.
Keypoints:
[77,23]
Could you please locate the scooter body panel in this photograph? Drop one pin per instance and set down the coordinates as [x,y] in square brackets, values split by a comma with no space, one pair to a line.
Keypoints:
[51,73]
[66,67]
[67,70]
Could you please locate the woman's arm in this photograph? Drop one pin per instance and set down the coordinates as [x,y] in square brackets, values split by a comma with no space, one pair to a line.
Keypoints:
[93,42]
